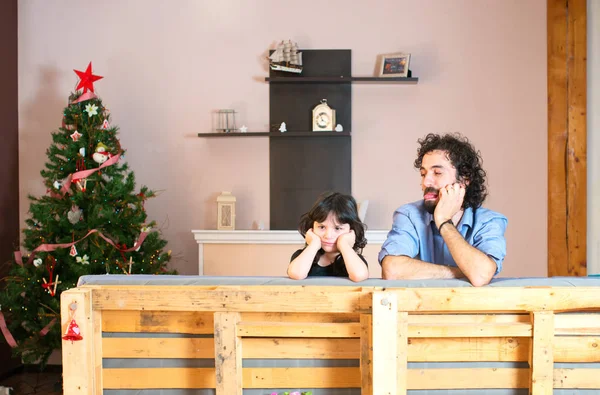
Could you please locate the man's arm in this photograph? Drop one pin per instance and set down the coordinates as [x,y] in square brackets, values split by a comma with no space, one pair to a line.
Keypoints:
[406,268]
[474,264]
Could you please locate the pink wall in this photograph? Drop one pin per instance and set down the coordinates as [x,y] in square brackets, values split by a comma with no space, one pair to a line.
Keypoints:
[167,65]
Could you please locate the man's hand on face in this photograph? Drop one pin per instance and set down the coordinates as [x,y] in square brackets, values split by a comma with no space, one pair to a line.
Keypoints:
[450,202]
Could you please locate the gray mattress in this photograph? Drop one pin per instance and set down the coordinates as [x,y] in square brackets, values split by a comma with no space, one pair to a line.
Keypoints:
[329,281]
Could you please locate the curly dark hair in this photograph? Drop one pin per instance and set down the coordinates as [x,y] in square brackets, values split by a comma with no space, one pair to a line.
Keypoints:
[345,210]
[465,159]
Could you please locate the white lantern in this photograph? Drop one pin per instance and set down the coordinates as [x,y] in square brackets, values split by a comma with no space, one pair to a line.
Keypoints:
[226,211]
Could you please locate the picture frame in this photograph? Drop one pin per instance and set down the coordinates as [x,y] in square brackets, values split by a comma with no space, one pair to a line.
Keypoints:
[394,65]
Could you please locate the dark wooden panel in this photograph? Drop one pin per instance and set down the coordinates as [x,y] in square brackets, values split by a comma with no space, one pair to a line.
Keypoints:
[9,151]
[303,167]
[300,169]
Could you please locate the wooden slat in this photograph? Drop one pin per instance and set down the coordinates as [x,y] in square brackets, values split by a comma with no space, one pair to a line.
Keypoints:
[491,299]
[304,300]
[385,343]
[577,349]
[281,348]
[576,378]
[148,378]
[567,156]
[158,347]
[423,319]
[98,350]
[192,322]
[468,350]
[228,354]
[188,378]
[576,152]
[402,353]
[298,329]
[470,330]
[79,357]
[542,358]
[271,299]
[577,324]
[366,354]
[300,317]
[557,137]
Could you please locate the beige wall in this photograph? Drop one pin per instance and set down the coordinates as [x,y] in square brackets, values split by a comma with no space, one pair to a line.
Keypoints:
[167,65]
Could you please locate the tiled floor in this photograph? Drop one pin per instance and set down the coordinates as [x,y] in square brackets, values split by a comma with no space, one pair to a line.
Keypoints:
[29,381]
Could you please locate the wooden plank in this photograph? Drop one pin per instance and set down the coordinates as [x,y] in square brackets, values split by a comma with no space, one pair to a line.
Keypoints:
[557,137]
[576,378]
[577,324]
[577,349]
[301,317]
[385,343]
[402,352]
[366,354]
[576,152]
[541,361]
[429,379]
[282,348]
[158,347]
[468,350]
[423,319]
[265,299]
[423,379]
[470,330]
[296,329]
[98,351]
[228,354]
[192,322]
[79,359]
[491,299]
[149,378]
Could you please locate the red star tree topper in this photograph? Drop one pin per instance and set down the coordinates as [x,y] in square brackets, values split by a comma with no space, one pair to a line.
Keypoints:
[87,79]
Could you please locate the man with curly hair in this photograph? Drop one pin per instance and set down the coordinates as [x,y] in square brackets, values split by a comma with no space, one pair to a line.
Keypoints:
[447,234]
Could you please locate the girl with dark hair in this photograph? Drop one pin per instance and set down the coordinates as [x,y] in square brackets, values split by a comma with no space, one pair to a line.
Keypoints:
[335,237]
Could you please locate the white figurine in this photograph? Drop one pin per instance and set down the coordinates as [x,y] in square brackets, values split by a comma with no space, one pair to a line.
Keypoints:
[283,128]
[244,129]
[339,128]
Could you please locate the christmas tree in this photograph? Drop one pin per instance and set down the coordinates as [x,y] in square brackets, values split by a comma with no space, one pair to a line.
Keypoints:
[91,221]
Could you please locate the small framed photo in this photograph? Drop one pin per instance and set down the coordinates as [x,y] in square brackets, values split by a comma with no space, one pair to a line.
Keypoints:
[394,65]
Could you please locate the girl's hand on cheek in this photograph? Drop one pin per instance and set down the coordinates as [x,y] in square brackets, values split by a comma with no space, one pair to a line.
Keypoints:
[312,239]
[347,238]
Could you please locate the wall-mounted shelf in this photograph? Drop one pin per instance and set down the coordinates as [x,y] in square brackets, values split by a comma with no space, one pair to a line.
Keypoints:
[342,80]
[277,134]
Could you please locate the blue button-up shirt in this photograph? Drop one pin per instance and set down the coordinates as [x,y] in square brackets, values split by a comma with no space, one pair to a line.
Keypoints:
[415,235]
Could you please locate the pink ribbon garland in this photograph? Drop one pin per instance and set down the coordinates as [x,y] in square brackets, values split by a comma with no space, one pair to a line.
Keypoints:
[80,175]
[52,247]
[10,340]
[7,335]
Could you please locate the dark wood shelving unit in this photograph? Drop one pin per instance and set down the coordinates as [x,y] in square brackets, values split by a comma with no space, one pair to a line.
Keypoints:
[277,134]
[341,80]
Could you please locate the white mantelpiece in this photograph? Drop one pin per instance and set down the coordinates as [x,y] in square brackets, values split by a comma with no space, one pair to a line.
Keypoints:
[291,237]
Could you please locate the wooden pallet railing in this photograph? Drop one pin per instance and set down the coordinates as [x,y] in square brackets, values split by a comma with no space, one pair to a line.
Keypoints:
[383,330]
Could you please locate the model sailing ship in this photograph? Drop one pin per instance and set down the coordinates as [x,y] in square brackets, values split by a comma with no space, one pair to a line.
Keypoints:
[286,58]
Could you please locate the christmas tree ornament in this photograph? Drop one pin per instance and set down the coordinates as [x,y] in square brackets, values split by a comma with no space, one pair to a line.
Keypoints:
[105,125]
[91,109]
[101,155]
[75,215]
[57,184]
[87,79]
[73,251]
[82,151]
[37,262]
[75,135]
[85,260]
[73,333]
[81,184]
